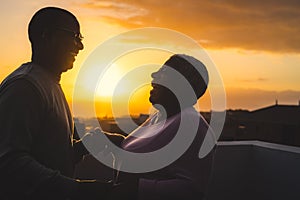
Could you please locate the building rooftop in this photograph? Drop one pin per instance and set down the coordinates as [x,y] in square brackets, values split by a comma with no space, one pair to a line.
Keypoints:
[255,170]
[287,114]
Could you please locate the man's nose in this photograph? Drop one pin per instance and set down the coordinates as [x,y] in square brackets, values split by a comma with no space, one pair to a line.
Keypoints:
[79,45]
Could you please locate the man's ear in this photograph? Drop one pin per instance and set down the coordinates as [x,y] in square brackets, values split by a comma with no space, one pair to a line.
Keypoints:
[45,34]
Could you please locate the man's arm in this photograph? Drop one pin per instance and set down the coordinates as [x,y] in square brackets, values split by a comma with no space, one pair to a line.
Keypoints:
[20,173]
[95,142]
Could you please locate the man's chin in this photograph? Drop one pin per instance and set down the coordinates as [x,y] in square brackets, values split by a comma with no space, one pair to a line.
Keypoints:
[67,67]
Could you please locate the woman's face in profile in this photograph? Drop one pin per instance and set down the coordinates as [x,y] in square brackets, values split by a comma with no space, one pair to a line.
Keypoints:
[160,94]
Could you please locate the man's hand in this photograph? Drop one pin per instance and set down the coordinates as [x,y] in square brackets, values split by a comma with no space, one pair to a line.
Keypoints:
[96,142]
[115,138]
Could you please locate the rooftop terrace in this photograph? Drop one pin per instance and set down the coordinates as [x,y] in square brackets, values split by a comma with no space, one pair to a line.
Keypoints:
[242,170]
[255,170]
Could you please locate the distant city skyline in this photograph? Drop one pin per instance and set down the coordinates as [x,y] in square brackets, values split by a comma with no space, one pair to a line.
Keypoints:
[109,115]
[274,123]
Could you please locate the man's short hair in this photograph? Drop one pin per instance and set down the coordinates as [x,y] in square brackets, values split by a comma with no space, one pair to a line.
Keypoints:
[46,19]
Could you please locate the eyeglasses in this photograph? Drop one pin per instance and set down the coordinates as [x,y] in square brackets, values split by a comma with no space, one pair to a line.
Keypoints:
[76,36]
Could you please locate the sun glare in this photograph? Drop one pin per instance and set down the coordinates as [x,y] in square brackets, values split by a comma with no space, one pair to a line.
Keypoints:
[109,81]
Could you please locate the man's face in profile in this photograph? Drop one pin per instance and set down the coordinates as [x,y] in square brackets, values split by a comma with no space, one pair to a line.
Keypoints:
[65,43]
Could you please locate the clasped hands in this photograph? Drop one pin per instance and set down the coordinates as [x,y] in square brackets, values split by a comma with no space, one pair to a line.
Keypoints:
[96,143]
[127,187]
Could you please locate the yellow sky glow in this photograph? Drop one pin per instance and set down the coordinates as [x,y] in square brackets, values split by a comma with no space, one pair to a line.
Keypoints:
[257,55]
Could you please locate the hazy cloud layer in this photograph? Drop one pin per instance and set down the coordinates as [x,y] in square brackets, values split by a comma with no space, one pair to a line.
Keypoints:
[269,25]
[253,99]
[257,80]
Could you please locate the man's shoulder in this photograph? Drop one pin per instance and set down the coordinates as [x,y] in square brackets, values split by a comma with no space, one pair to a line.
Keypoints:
[22,72]
[16,76]
[27,72]
[27,76]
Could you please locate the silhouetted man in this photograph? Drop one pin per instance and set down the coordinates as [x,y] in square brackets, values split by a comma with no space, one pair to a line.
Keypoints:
[38,149]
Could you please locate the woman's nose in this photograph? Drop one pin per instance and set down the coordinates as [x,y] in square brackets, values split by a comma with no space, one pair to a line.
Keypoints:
[154,75]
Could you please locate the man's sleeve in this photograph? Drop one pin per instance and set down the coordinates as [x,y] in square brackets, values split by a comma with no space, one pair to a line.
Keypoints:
[20,173]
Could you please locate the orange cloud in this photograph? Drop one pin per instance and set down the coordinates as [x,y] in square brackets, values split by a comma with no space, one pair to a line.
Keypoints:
[270,25]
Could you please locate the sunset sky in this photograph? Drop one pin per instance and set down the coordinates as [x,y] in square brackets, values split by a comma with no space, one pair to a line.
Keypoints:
[255,44]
